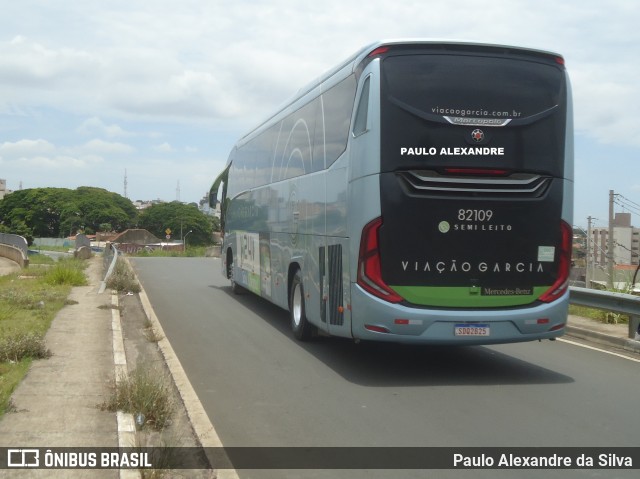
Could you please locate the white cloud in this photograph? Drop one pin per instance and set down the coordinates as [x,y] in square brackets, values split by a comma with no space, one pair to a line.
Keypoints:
[105,147]
[164,148]
[95,125]
[65,163]
[26,148]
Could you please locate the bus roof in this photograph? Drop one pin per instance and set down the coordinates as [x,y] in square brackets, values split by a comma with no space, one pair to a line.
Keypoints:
[349,65]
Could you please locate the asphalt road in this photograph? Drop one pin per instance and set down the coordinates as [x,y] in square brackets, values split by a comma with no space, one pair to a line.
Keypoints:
[261,387]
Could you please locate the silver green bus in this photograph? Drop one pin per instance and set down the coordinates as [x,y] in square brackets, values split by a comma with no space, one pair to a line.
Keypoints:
[420,192]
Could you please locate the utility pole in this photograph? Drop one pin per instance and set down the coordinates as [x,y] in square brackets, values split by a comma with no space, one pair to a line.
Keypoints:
[587,277]
[610,242]
[125,183]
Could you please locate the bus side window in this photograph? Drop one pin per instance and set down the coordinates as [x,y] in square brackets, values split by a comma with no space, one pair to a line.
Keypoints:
[338,108]
[362,113]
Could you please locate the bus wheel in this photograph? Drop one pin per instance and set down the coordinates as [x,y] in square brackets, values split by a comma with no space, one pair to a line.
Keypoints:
[302,329]
[235,287]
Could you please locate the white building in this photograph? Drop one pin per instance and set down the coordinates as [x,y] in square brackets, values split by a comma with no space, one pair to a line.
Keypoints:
[3,188]
[626,243]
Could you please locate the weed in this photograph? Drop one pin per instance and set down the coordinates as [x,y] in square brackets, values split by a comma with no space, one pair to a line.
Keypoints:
[122,278]
[23,345]
[598,314]
[7,311]
[146,391]
[69,272]
[152,335]
[110,306]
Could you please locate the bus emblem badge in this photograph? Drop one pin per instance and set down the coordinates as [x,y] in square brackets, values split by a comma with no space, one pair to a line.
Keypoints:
[477,135]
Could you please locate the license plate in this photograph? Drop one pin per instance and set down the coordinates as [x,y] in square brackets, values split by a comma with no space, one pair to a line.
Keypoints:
[472,330]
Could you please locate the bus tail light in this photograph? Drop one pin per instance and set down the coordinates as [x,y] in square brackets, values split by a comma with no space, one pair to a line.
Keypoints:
[378,51]
[564,265]
[369,268]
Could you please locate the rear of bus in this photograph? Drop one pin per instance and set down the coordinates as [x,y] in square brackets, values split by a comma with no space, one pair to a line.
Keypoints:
[473,241]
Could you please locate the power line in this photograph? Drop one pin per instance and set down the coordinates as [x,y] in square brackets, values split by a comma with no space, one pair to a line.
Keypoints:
[629,201]
[627,206]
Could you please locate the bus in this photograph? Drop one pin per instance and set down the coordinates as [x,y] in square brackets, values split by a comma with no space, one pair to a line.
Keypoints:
[419,192]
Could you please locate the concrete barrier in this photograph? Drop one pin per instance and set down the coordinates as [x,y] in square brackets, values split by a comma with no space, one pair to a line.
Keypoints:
[14,254]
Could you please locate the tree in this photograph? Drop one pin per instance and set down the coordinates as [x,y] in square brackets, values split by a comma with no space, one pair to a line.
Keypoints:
[55,212]
[180,219]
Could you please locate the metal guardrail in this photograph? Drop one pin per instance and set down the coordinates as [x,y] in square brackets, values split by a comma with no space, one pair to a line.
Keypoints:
[609,301]
[110,258]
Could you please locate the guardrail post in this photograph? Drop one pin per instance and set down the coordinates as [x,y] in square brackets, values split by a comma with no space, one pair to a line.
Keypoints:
[634,327]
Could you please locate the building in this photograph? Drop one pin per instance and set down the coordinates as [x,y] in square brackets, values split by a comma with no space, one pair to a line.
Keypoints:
[626,243]
[3,188]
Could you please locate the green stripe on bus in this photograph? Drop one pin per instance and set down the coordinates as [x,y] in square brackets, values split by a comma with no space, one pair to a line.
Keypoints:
[462,297]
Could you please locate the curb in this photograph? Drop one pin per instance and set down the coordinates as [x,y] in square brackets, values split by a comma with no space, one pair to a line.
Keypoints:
[626,344]
[126,425]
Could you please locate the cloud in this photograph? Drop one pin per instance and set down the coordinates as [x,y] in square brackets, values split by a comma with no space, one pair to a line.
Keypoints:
[105,147]
[57,162]
[96,81]
[26,148]
[95,125]
[164,148]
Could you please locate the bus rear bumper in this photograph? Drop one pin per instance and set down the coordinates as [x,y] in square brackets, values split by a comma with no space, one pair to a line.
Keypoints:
[382,321]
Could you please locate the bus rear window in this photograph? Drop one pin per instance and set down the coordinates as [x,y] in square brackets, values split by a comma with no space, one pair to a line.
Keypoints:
[473,86]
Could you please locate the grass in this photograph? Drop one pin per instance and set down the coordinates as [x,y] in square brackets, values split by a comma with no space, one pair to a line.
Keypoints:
[146,391]
[40,259]
[10,377]
[192,251]
[122,278]
[29,300]
[598,314]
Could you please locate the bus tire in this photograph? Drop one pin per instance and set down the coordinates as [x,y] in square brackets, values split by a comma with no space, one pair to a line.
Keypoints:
[235,287]
[302,329]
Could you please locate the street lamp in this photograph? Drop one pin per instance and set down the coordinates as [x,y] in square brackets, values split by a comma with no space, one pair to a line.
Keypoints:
[184,242]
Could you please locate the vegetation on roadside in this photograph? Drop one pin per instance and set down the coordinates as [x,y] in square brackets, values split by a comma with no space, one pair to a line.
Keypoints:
[29,300]
[122,279]
[608,317]
[191,252]
[186,222]
[145,391]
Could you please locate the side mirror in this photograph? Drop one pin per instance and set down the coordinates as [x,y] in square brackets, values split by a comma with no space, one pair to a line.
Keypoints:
[213,199]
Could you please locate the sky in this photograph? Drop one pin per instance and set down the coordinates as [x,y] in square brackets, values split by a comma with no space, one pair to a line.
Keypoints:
[162,89]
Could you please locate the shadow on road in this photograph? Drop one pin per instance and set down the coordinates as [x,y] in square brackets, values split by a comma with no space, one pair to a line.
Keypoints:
[392,365]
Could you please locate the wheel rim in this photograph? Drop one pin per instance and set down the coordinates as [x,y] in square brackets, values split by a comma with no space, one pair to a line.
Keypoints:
[296,306]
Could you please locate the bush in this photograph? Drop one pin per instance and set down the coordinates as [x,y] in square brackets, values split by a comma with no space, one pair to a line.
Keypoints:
[145,391]
[69,272]
[122,278]
[23,345]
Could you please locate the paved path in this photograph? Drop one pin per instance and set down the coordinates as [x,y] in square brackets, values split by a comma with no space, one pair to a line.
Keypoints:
[57,402]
